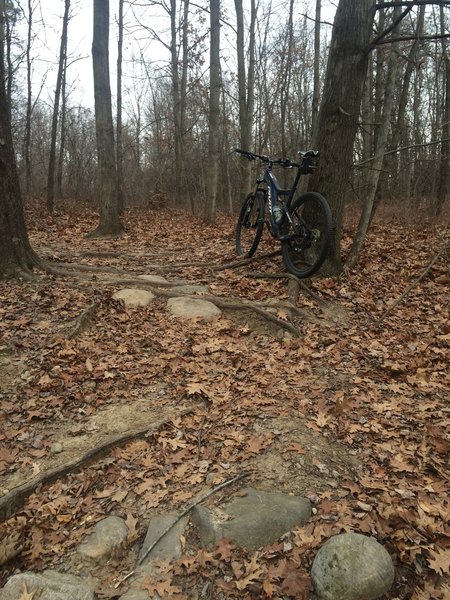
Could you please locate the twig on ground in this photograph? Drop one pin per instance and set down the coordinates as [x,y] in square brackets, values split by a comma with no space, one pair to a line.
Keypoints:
[438,254]
[289,276]
[178,517]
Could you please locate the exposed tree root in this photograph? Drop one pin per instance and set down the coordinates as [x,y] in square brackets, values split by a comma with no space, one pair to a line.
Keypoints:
[83,321]
[14,500]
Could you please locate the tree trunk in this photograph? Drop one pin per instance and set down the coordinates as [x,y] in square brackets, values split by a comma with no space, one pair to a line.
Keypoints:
[339,111]
[246,87]
[214,114]
[52,158]
[27,140]
[17,258]
[316,88]
[110,225]
[444,166]
[377,163]
[119,144]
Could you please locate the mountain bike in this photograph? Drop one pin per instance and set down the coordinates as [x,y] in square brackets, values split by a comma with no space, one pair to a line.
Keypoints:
[303,225]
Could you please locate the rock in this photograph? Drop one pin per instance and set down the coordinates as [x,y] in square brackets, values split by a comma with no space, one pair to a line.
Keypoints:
[251,521]
[351,566]
[153,279]
[106,538]
[168,547]
[56,448]
[134,297]
[49,585]
[193,308]
[191,289]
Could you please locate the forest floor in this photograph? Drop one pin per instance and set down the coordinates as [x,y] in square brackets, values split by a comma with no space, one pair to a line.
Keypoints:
[352,412]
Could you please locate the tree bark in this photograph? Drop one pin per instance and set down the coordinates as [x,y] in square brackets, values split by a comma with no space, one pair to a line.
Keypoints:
[214,114]
[246,86]
[339,111]
[119,143]
[316,88]
[17,258]
[54,133]
[375,169]
[110,225]
[444,166]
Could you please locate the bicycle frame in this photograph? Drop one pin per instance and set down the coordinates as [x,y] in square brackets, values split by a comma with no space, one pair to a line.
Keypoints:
[275,194]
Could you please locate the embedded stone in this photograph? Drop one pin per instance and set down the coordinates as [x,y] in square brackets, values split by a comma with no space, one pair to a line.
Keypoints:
[352,566]
[193,308]
[256,519]
[49,585]
[106,538]
[133,297]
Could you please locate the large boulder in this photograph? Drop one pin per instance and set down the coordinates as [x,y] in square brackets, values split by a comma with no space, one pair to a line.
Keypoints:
[255,519]
[49,585]
[352,566]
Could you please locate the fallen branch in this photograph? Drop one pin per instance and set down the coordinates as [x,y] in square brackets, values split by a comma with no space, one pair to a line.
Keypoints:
[416,281]
[13,501]
[180,516]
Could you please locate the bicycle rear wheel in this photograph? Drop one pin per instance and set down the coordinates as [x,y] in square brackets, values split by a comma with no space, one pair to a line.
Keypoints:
[250,225]
[307,241]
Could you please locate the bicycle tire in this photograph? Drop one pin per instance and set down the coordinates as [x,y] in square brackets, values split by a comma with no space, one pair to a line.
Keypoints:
[250,225]
[307,246]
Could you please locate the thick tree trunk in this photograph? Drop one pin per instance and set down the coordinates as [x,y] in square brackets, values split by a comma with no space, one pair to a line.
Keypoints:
[110,225]
[339,111]
[59,79]
[17,258]
[214,114]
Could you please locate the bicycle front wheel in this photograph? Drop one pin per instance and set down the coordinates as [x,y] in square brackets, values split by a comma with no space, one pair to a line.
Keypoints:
[307,239]
[250,225]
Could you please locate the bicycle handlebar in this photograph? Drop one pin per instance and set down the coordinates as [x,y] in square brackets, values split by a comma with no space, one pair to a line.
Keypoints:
[286,163]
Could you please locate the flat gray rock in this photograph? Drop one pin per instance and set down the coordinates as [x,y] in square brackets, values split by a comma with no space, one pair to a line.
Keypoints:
[107,536]
[153,279]
[49,585]
[168,547]
[133,297]
[193,308]
[190,288]
[352,566]
[256,519]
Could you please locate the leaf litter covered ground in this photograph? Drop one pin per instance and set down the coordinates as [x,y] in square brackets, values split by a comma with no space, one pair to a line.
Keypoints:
[353,413]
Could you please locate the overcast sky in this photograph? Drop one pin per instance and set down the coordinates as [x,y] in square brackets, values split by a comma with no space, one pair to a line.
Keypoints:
[48,22]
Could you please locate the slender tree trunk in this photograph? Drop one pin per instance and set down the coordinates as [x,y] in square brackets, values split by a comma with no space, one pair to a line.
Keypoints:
[62,138]
[340,108]
[246,86]
[444,164]
[316,88]
[119,144]
[110,225]
[376,165]
[214,114]
[286,79]
[27,140]
[17,258]
[176,97]
[52,158]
